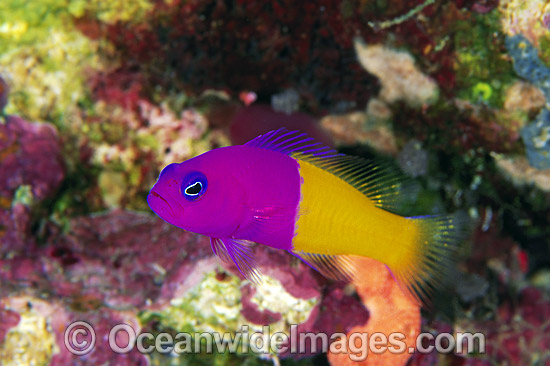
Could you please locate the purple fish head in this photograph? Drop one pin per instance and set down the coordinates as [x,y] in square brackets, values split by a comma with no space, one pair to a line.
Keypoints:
[200,195]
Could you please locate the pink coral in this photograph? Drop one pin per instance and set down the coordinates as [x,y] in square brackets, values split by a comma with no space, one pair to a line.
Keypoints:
[30,154]
[8,319]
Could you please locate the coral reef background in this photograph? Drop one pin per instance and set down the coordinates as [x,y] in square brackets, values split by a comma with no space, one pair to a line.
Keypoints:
[96,97]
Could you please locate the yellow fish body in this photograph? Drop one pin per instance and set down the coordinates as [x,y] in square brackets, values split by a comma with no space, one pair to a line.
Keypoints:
[341,213]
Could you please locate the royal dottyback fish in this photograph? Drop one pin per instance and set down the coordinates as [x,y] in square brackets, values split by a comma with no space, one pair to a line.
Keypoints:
[288,192]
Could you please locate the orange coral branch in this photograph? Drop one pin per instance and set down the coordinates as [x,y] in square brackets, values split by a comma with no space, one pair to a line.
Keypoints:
[391,310]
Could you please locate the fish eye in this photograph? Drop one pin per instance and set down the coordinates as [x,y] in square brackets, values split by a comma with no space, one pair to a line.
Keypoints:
[194,185]
[194,189]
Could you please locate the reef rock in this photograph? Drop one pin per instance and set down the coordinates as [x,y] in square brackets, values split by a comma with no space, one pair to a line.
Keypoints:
[400,78]
[357,128]
[521,173]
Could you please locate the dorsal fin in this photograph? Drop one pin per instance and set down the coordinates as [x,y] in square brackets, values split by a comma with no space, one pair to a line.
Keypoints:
[383,184]
[380,182]
[292,142]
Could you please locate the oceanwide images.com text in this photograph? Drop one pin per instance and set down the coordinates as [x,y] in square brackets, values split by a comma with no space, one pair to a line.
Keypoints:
[80,339]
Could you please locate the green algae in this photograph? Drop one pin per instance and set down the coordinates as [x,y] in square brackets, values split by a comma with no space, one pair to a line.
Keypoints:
[544,50]
[111,11]
[44,59]
[23,195]
[483,73]
[214,305]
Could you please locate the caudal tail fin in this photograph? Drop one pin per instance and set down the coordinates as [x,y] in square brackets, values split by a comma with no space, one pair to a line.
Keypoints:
[433,253]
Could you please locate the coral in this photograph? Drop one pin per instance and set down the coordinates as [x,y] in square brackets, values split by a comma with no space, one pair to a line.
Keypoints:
[132,141]
[15,230]
[483,72]
[524,97]
[30,154]
[210,306]
[273,300]
[354,128]
[116,272]
[247,46]
[31,170]
[487,128]
[132,87]
[41,329]
[31,341]
[519,333]
[113,187]
[391,310]
[536,135]
[287,297]
[178,139]
[527,63]
[8,320]
[226,304]
[44,61]
[173,275]
[400,78]
[520,173]
[525,18]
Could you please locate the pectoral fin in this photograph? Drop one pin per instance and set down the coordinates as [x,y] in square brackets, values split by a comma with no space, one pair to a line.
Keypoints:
[240,253]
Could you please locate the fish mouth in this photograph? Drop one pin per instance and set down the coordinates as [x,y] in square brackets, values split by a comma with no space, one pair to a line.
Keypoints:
[161,207]
[156,195]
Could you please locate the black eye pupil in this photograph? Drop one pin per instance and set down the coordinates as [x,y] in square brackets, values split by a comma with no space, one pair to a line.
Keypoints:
[193,186]
[194,189]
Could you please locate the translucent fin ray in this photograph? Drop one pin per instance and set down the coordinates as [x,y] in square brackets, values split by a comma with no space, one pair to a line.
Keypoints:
[433,255]
[240,253]
[336,267]
[384,185]
[289,142]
